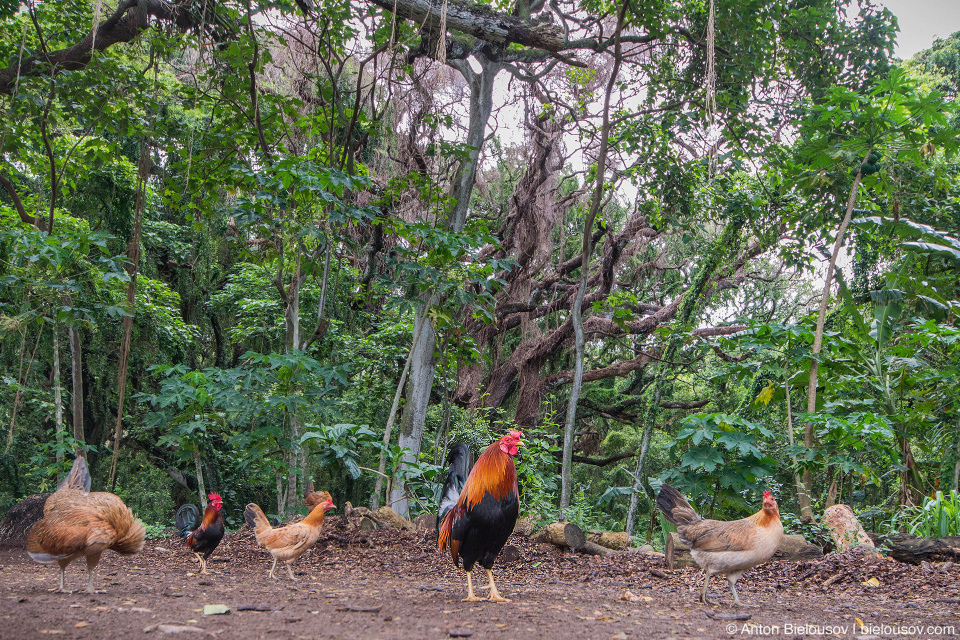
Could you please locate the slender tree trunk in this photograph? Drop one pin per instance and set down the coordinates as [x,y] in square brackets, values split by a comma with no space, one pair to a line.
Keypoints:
[413,421]
[16,396]
[201,487]
[375,500]
[576,316]
[76,382]
[803,496]
[422,369]
[293,465]
[133,268]
[57,392]
[281,499]
[806,511]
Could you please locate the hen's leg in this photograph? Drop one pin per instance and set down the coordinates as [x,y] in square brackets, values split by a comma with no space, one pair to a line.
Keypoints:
[470,595]
[63,570]
[494,594]
[706,581]
[273,567]
[290,571]
[91,566]
[733,587]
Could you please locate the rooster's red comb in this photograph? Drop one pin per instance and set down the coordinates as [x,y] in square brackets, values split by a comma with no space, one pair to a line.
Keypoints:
[766,494]
[214,497]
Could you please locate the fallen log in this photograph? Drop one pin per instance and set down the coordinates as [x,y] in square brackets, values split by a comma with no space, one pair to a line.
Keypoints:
[597,550]
[906,547]
[610,539]
[562,534]
[846,530]
[794,548]
[525,527]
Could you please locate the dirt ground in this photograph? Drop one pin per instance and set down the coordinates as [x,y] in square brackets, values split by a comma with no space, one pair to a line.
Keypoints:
[395,585]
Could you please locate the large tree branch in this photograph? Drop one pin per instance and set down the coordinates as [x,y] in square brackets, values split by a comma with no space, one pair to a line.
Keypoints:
[131,18]
[18,204]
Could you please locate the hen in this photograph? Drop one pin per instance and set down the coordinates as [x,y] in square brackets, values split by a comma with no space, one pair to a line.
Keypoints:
[477,520]
[290,542]
[202,536]
[79,523]
[727,548]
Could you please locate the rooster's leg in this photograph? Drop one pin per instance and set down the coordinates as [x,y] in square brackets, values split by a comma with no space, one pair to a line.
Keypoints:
[494,594]
[273,567]
[200,560]
[290,571]
[706,581]
[470,595]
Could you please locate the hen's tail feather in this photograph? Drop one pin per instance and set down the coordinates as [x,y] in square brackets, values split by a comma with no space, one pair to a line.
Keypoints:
[130,533]
[187,519]
[459,461]
[79,476]
[675,507]
[254,517]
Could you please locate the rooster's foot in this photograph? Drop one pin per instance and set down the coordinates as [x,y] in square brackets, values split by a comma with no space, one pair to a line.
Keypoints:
[498,598]
[472,599]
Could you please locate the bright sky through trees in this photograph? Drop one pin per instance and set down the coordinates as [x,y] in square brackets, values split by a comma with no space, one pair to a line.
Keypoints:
[921,21]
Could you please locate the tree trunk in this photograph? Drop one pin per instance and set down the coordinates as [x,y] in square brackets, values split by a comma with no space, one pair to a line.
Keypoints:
[201,487]
[419,384]
[57,392]
[906,547]
[76,377]
[422,368]
[280,497]
[293,461]
[375,499]
[805,512]
[132,267]
[586,250]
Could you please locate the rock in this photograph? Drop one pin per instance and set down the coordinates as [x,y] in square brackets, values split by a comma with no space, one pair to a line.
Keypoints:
[425,522]
[215,609]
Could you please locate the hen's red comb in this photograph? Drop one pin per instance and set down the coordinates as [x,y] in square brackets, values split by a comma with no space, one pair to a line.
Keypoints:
[766,494]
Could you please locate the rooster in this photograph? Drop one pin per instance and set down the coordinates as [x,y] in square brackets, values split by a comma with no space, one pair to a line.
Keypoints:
[292,541]
[727,548]
[477,520]
[202,536]
[79,523]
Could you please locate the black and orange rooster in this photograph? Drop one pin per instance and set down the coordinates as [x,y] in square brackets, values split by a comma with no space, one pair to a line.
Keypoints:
[476,521]
[79,523]
[202,536]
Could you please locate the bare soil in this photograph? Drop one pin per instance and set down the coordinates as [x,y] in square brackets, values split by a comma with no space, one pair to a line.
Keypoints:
[393,584]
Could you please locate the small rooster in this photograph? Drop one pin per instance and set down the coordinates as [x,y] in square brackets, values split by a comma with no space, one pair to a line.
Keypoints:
[476,522]
[201,536]
[79,523]
[727,548]
[292,541]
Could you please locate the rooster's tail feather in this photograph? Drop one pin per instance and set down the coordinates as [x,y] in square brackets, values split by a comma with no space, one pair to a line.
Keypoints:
[254,517]
[459,461]
[675,507]
[187,519]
